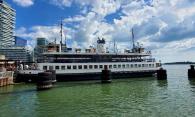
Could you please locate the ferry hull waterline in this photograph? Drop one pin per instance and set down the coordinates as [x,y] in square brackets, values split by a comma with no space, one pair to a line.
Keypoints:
[91,71]
[87,76]
[87,64]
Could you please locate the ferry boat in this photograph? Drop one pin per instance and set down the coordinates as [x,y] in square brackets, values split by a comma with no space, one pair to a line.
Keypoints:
[77,64]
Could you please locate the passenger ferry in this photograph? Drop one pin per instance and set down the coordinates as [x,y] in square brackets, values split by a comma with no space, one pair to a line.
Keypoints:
[88,64]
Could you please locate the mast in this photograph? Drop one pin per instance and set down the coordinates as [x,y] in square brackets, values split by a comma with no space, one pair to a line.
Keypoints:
[133,38]
[114,46]
[61,31]
[65,39]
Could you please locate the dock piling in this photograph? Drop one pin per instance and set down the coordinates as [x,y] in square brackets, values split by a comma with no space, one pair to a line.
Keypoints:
[106,75]
[53,75]
[44,81]
[191,72]
[161,74]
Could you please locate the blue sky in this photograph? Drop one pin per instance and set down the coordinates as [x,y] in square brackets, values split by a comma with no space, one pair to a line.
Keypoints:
[41,13]
[166,27]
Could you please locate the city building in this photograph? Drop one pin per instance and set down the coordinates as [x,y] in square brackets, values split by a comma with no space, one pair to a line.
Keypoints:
[12,47]
[7,24]
[41,46]
[42,42]
[20,42]
[16,54]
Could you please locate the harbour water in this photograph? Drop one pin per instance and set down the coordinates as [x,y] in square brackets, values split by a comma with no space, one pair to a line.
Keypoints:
[136,97]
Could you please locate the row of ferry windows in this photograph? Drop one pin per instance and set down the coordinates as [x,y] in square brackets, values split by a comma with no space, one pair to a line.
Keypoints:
[97,66]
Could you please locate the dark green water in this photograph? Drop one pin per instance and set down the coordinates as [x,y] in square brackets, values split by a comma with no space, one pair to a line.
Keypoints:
[138,97]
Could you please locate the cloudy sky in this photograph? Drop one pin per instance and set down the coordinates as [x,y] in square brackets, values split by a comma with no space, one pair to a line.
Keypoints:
[167,27]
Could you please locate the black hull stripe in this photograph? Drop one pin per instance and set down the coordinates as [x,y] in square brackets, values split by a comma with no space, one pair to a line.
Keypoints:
[85,76]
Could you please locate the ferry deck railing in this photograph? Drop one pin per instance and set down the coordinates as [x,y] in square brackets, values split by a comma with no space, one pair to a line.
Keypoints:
[93,61]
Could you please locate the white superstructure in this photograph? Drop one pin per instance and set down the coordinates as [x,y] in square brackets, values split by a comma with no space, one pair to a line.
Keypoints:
[91,62]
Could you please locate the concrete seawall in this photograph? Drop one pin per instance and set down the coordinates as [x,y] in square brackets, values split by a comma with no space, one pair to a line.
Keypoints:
[6,78]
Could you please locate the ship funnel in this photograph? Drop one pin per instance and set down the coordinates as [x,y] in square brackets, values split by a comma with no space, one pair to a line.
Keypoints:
[100,45]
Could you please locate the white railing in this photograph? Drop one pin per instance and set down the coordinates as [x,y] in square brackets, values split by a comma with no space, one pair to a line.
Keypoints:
[7,74]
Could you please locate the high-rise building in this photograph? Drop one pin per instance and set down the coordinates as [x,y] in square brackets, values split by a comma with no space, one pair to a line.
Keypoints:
[20,41]
[16,54]
[7,24]
[42,42]
[40,48]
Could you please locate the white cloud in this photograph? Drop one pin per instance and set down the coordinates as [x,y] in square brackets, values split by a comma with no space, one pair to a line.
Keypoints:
[62,3]
[49,32]
[163,25]
[24,3]
[77,18]
[107,7]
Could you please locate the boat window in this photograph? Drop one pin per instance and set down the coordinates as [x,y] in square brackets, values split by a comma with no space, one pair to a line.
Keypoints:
[131,65]
[95,66]
[69,67]
[85,66]
[100,66]
[152,65]
[139,65]
[119,66]
[114,66]
[149,65]
[50,67]
[44,67]
[90,67]
[80,66]
[123,65]
[74,67]
[135,65]
[57,67]
[63,67]
[127,65]
[105,66]
[110,66]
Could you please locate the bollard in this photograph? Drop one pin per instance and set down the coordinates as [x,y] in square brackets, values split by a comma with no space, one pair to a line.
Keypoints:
[191,72]
[106,75]
[44,81]
[161,74]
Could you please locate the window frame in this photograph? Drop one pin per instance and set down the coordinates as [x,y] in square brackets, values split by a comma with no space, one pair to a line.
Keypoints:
[57,67]
[69,67]
[63,67]
[44,67]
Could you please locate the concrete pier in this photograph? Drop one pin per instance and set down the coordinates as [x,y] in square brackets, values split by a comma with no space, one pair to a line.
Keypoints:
[6,78]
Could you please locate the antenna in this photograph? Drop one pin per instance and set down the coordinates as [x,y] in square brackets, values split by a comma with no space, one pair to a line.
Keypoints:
[61,31]
[65,39]
[133,38]
[114,46]
[55,41]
